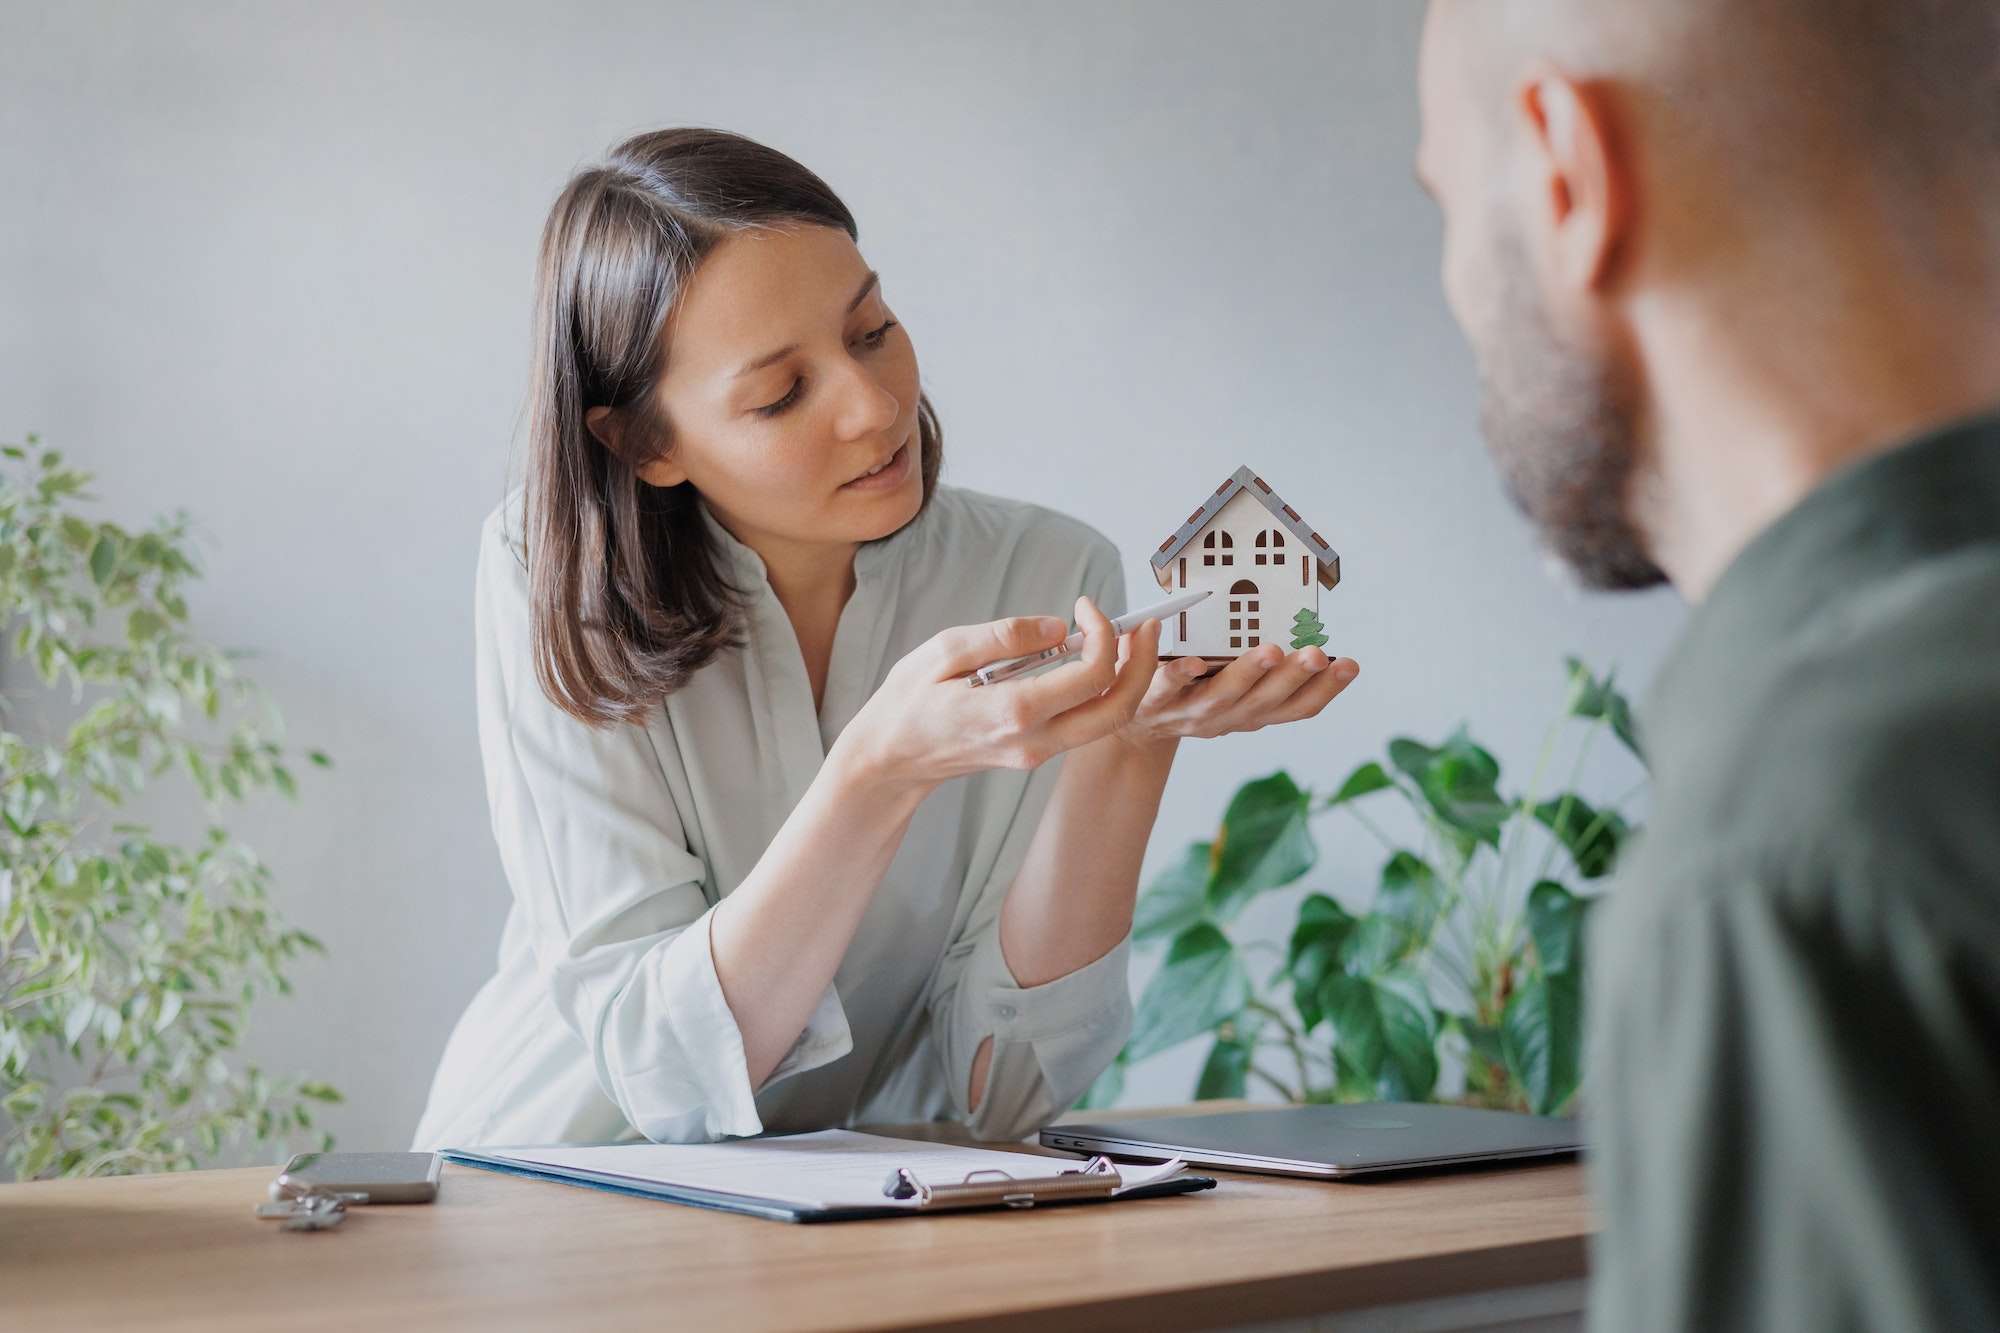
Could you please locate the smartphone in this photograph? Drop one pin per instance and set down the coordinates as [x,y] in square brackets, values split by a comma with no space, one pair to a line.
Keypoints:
[385,1177]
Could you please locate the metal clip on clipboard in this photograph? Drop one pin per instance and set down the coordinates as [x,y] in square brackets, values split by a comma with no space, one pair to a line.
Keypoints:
[1096,1179]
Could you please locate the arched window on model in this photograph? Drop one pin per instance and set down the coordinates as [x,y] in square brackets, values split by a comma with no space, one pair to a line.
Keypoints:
[1272,539]
[1209,547]
[1244,620]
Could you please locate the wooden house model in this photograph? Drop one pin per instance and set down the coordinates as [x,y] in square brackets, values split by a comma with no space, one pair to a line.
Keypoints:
[1262,561]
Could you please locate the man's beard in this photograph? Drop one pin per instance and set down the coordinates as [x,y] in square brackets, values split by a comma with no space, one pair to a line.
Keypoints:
[1562,422]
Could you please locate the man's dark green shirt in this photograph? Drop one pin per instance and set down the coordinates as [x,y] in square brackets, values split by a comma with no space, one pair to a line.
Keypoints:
[1795,1068]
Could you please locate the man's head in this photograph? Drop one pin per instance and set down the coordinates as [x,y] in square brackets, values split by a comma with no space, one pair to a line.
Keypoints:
[1608,166]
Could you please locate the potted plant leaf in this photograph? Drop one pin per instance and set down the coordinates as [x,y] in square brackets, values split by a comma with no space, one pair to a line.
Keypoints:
[128,961]
[1467,956]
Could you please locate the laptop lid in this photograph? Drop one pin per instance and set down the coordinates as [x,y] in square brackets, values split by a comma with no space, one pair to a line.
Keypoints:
[1328,1141]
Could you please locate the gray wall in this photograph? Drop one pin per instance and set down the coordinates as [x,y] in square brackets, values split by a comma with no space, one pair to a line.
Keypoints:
[272,262]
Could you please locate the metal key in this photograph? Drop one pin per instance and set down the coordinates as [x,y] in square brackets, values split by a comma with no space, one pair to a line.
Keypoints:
[308,1209]
[314,1214]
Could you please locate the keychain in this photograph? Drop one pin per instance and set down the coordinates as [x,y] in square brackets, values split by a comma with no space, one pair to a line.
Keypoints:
[307,1208]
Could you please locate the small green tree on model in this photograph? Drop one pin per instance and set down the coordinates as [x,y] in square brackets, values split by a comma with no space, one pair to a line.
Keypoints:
[128,963]
[1307,632]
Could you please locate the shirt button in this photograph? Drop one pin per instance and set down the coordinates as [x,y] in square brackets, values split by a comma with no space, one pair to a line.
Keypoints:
[1005,1011]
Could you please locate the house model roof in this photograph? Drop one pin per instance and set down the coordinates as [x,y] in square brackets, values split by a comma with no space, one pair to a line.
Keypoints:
[1243,479]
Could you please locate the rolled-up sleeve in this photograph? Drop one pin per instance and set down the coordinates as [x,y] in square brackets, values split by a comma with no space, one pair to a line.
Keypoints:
[1050,1042]
[616,905]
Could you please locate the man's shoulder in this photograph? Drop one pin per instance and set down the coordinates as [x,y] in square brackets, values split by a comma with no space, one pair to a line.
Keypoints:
[1907,668]
[1872,737]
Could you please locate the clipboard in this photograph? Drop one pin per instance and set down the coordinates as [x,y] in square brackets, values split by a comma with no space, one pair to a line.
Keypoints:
[729,1177]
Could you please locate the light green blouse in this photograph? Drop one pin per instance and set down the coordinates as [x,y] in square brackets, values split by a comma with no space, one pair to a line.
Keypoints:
[605,1019]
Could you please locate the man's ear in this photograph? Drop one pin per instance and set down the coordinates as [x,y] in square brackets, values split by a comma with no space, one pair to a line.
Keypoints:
[604,425]
[1581,183]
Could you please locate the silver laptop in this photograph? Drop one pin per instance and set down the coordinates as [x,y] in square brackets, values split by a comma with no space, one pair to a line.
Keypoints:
[1329,1141]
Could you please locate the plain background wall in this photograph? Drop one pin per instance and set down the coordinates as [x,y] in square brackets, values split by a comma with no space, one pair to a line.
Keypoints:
[272,262]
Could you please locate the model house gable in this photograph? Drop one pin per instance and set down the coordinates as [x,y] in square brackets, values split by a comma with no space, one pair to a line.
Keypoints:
[1261,561]
[1210,543]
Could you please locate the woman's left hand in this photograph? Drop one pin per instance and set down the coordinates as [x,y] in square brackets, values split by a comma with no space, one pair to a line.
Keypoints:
[1264,686]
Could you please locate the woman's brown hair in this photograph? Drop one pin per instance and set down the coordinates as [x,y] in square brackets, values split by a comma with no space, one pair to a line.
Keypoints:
[627,589]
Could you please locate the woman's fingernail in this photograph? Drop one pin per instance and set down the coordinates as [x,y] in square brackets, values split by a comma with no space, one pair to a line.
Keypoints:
[1347,671]
[1049,625]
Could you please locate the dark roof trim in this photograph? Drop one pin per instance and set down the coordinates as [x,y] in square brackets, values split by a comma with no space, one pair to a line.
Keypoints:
[1243,479]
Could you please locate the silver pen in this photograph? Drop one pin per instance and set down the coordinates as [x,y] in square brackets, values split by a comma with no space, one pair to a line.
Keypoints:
[1125,624]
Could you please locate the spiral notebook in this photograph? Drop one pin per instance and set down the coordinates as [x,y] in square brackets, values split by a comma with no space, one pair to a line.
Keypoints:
[835,1175]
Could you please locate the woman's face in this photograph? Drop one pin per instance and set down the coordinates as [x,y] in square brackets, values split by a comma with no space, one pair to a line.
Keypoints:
[791,393]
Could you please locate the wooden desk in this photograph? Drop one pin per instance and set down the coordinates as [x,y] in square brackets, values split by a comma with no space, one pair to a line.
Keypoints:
[497,1252]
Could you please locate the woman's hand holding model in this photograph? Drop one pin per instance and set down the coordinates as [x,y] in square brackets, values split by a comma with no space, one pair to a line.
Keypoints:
[1263,687]
[925,726]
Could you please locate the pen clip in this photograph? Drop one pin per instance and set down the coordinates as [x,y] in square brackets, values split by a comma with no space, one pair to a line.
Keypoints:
[1120,626]
[1019,666]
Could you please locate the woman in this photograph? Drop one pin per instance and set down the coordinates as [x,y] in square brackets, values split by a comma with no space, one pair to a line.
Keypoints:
[775,867]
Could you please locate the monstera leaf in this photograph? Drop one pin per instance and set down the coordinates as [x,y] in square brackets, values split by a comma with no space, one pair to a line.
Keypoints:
[1385,1031]
[1541,1036]
[1590,697]
[1459,782]
[1593,837]
[1369,778]
[1541,1030]
[1412,893]
[1556,922]
[1265,843]
[1323,930]
[1226,1073]
[1201,983]
[1177,899]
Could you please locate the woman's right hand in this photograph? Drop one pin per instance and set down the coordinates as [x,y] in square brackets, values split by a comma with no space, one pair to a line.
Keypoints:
[925,726]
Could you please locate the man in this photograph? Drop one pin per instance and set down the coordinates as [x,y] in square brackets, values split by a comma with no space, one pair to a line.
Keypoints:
[1731,269]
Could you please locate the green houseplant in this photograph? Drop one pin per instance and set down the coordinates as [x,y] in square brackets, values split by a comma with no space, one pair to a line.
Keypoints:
[1468,956]
[128,963]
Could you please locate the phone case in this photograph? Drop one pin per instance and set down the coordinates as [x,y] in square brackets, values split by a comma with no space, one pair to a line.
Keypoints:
[384,1177]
